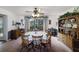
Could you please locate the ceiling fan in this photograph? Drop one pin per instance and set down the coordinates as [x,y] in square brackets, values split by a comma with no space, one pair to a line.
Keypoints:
[35,9]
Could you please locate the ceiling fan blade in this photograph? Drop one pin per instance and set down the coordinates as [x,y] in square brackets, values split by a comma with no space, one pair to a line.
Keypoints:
[28,11]
[41,13]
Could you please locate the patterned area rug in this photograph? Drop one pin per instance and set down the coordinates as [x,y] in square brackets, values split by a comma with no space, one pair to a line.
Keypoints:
[40,48]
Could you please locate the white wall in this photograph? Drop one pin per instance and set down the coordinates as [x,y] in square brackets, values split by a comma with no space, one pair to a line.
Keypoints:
[10,17]
[54,21]
[8,20]
[19,18]
[54,18]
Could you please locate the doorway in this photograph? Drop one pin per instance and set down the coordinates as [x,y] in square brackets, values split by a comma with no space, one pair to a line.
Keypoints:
[3,27]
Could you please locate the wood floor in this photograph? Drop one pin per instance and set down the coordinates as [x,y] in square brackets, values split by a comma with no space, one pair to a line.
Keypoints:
[11,46]
[58,46]
[15,46]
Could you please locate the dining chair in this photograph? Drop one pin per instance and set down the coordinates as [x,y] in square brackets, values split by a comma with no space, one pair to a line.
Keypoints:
[46,43]
[37,42]
[37,38]
[25,41]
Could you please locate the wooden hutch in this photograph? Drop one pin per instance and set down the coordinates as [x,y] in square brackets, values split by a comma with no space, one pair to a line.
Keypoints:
[69,29]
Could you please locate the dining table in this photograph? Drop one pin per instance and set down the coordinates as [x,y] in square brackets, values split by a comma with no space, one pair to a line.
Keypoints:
[37,40]
[36,33]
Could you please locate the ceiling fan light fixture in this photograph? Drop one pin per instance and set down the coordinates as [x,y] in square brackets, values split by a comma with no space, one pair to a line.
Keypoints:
[36,12]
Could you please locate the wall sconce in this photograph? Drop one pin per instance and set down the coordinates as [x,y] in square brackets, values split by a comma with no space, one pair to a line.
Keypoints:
[22,21]
[49,21]
[13,23]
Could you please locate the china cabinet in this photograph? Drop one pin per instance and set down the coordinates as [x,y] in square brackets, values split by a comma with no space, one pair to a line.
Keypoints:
[69,27]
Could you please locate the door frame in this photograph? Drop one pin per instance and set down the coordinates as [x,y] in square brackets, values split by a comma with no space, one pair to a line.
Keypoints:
[5,25]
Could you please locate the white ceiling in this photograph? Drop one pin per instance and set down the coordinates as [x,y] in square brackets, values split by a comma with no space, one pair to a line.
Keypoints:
[48,10]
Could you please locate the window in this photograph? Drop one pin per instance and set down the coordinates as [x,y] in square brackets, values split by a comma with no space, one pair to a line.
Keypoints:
[38,24]
[1,28]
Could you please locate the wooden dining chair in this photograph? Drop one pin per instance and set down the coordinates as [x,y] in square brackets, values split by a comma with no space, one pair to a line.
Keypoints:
[37,42]
[37,39]
[25,42]
[46,43]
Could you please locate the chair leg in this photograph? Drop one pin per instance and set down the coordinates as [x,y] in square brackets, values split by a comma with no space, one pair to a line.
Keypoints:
[21,49]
